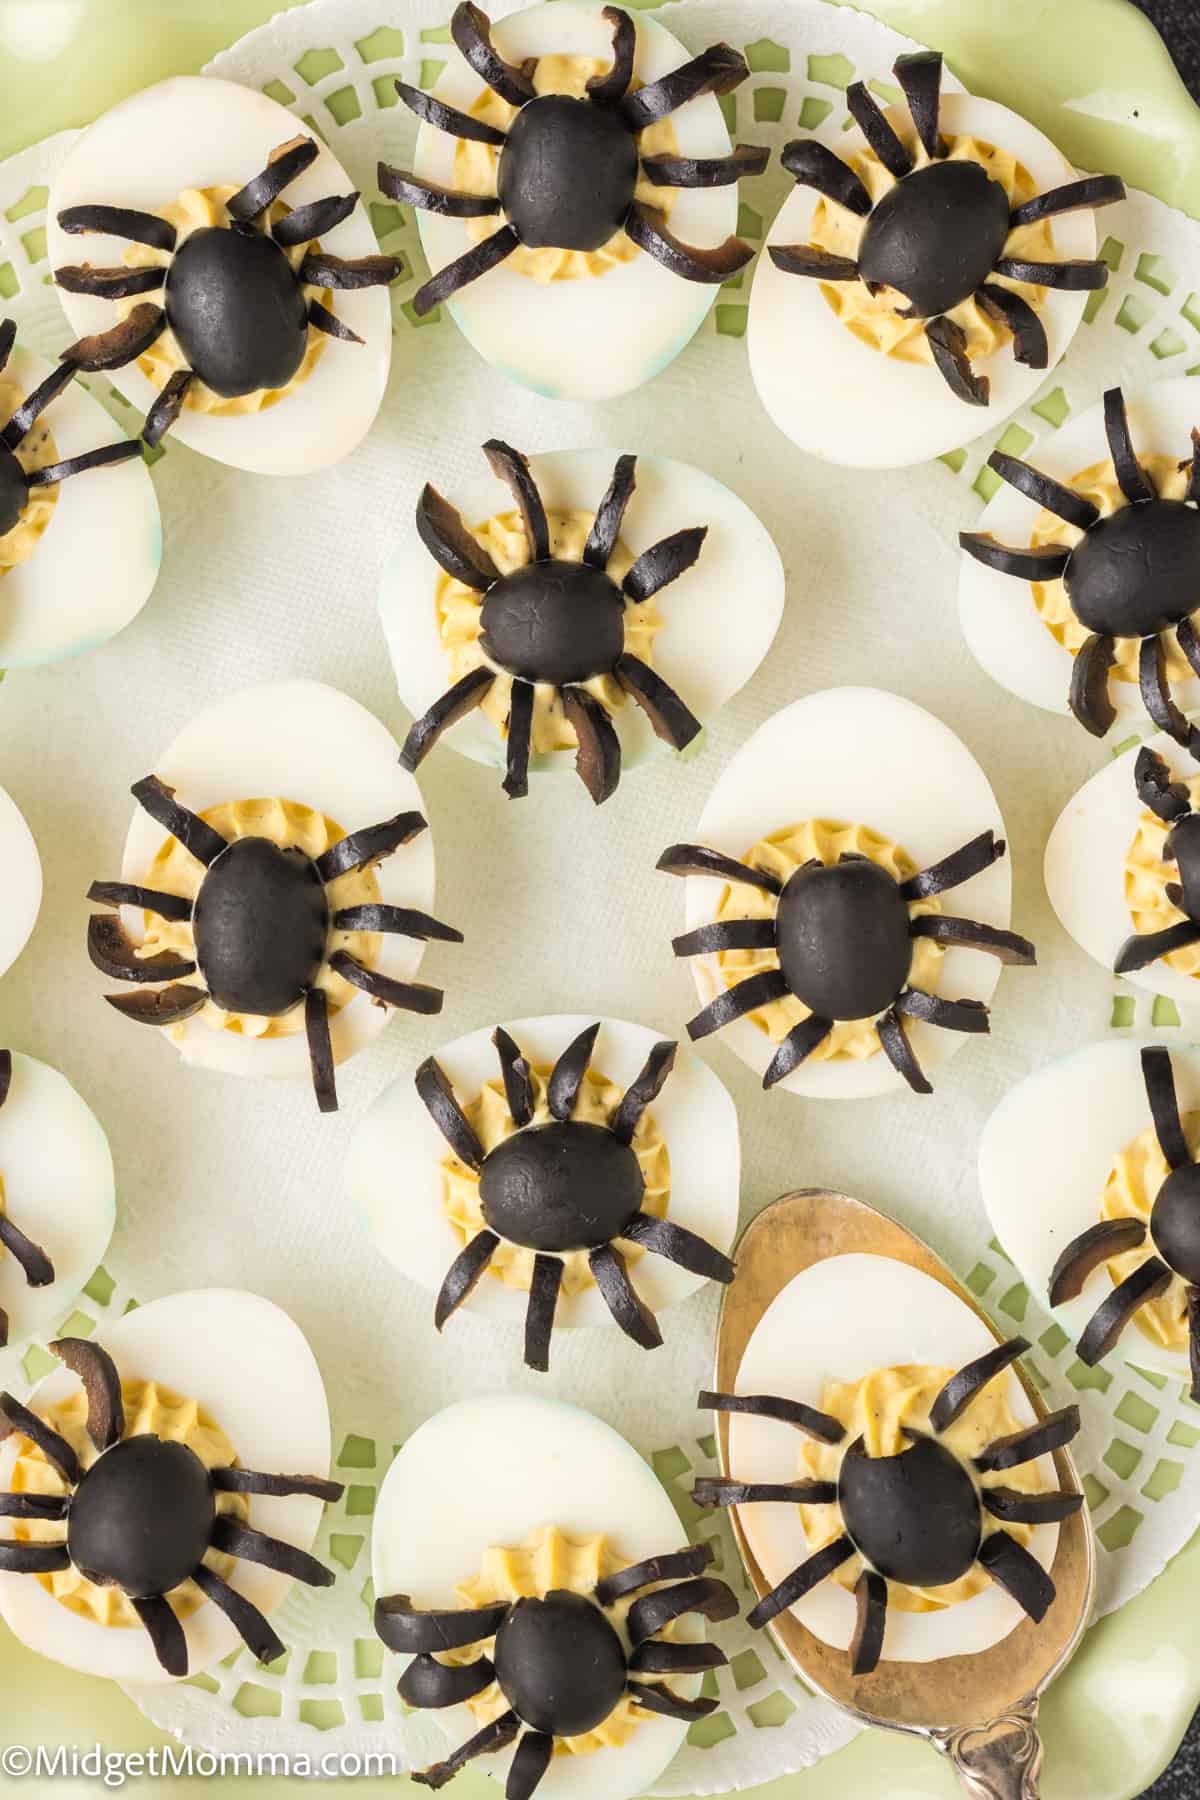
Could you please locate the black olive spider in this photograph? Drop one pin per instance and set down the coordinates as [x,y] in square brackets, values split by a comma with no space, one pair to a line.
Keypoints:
[844,942]
[938,236]
[1171,802]
[558,1660]
[32,1260]
[16,482]
[562,1185]
[230,293]
[568,167]
[142,1515]
[556,621]
[1133,574]
[1174,1232]
[915,1517]
[260,923]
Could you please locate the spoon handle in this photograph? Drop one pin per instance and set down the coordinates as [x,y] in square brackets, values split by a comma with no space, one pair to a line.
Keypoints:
[1000,1760]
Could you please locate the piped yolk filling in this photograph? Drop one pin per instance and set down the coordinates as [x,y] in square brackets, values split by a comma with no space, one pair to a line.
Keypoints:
[36,450]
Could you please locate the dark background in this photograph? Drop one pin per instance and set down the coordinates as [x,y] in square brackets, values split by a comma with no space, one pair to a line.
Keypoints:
[1179,23]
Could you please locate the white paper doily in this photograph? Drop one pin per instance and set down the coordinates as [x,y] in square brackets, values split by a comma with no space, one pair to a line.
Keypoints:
[227,1181]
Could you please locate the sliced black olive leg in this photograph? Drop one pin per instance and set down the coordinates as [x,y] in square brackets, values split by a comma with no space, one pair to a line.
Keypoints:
[1193,486]
[468,267]
[539,1313]
[8,337]
[103,457]
[487,1742]
[606,526]
[810,260]
[645,1088]
[868,115]
[119,221]
[622,1299]
[441,529]
[254,1481]
[870,1599]
[695,859]
[801,1581]
[35,403]
[471,30]
[517,1077]
[463,1275]
[1031,562]
[348,273]
[1159,1078]
[899,1052]
[320,1050]
[1016,1507]
[123,893]
[236,1539]
[952,871]
[371,844]
[1053,1432]
[664,562]
[399,921]
[520,733]
[435,1090]
[1006,946]
[164,1631]
[646,227]
[611,87]
[32,1559]
[35,1265]
[101,1385]
[951,1015]
[948,344]
[726,934]
[530,1762]
[108,284]
[120,344]
[512,468]
[706,171]
[410,1629]
[799,1044]
[714,1491]
[1030,345]
[1089,698]
[1020,1575]
[53,1446]
[1168,800]
[670,719]
[734,1003]
[1186,636]
[411,190]
[453,705]
[653,1658]
[304,223]
[284,164]
[1110,1318]
[430,1684]
[819,1425]
[1132,479]
[159,1006]
[321,319]
[562,1090]
[717,70]
[1055,496]
[656,1697]
[5,1074]
[679,1245]
[598,757]
[813,164]
[710,1598]
[1142,948]
[167,408]
[1156,694]
[188,828]
[1072,196]
[113,952]
[448,118]
[675,1565]
[1193,1318]
[51,1508]
[1081,275]
[970,1381]
[407,996]
[920,78]
[251,1625]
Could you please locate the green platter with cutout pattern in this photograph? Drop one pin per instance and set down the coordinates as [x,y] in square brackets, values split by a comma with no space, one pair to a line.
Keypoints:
[1097,79]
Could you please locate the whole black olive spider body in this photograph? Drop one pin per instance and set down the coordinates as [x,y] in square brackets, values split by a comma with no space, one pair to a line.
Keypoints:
[563,1185]
[556,622]
[260,925]
[844,941]
[230,294]
[1174,1232]
[568,167]
[916,1517]
[143,1514]
[16,482]
[1132,575]
[30,1258]
[938,236]
[558,1659]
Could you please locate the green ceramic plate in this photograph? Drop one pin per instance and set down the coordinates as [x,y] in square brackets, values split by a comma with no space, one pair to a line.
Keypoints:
[1095,76]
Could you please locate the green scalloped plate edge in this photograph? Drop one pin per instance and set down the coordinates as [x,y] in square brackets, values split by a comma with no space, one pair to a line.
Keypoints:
[1096,77]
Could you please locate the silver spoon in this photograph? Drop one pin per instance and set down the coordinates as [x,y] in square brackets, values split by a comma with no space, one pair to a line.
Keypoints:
[979,1710]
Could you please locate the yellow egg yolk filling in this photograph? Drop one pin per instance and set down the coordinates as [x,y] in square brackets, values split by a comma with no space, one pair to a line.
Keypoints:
[36,450]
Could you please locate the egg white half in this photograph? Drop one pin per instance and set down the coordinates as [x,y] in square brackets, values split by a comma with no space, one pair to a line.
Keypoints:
[841,400]
[600,335]
[1085,869]
[59,1190]
[875,759]
[93,568]
[247,1363]
[491,1471]
[394,1170]
[301,741]
[22,882]
[696,651]
[196,131]
[999,619]
[837,1321]
[1044,1157]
